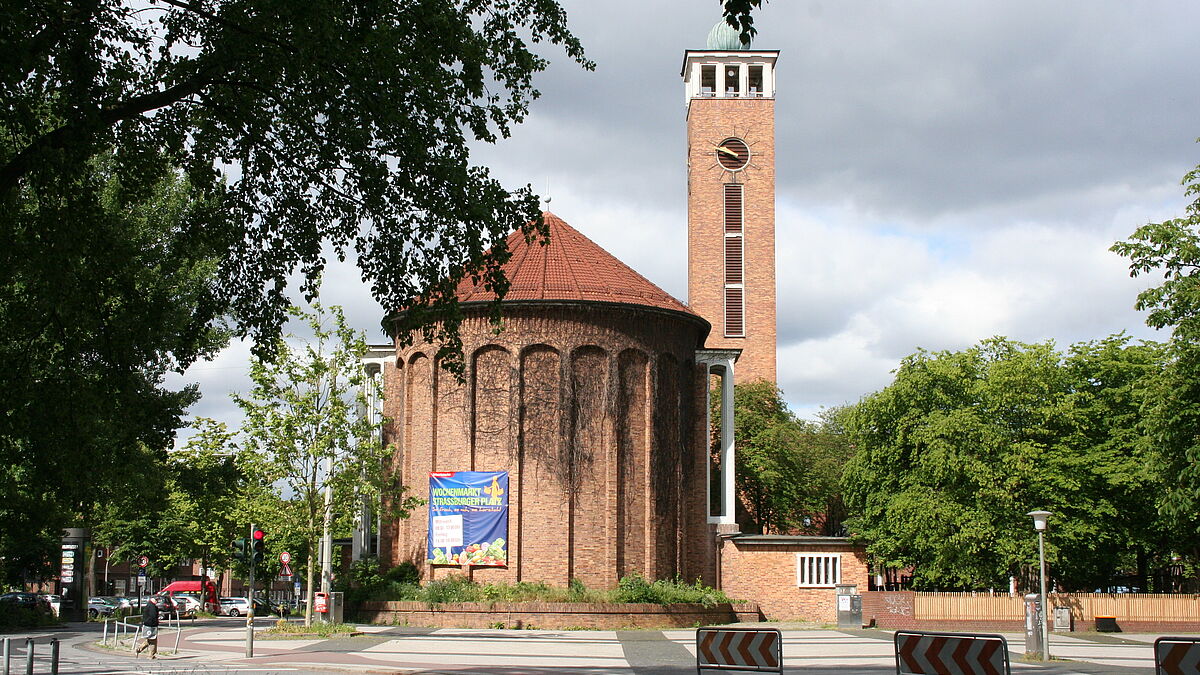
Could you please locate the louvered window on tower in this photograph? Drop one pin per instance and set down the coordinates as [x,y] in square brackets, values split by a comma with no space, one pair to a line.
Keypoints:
[735,302]
[733,259]
[733,207]
[735,313]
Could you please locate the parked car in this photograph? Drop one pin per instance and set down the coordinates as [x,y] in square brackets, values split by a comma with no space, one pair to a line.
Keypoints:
[176,604]
[101,606]
[188,604]
[241,607]
[27,600]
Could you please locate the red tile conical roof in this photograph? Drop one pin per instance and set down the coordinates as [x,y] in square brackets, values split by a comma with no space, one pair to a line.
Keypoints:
[570,267]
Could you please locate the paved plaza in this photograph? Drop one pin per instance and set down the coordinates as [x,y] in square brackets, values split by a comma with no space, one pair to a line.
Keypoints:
[217,647]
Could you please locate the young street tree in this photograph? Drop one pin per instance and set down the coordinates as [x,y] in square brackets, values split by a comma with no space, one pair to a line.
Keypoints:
[304,432]
[953,454]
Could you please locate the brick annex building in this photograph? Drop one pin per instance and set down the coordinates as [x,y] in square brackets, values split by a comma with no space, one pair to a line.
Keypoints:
[594,397]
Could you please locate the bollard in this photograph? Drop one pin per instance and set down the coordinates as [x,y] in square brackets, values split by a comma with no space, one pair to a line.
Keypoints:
[7,654]
[54,656]
[28,656]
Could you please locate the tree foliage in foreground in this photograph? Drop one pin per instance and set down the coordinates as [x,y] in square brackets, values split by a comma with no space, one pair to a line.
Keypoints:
[143,145]
[101,295]
[953,454]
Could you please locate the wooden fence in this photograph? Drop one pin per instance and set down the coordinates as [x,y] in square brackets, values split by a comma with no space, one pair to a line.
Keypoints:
[1084,606]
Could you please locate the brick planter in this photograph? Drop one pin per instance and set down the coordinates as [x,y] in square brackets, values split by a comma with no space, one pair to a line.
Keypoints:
[553,615]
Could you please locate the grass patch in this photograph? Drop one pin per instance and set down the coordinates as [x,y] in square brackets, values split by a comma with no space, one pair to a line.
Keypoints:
[286,629]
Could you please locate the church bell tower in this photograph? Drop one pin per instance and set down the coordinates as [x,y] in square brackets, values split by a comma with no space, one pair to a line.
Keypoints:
[730,98]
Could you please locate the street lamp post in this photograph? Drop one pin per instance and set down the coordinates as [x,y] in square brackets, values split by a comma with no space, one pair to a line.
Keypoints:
[1039,524]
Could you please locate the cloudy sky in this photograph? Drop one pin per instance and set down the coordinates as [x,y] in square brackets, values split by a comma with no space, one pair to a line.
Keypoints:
[947,170]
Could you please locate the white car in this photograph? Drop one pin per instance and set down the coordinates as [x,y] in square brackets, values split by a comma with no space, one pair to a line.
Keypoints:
[234,607]
[241,607]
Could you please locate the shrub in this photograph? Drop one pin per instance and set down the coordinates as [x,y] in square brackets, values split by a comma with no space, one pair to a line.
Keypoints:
[457,588]
[24,617]
[634,588]
[404,573]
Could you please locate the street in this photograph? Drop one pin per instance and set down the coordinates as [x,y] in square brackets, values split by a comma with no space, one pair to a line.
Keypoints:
[216,646]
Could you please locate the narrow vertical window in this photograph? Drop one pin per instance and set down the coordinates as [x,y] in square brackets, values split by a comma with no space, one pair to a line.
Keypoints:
[755,80]
[733,80]
[708,80]
[735,303]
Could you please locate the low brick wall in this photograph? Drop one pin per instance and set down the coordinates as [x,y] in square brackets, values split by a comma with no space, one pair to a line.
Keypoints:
[554,616]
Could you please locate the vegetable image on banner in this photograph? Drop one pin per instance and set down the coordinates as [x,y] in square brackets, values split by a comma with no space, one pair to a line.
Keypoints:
[468,518]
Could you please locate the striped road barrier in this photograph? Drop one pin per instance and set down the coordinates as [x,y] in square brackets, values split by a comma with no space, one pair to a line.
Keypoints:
[1177,656]
[929,653]
[747,649]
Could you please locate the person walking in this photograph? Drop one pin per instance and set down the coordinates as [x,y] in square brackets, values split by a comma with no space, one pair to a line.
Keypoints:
[149,629]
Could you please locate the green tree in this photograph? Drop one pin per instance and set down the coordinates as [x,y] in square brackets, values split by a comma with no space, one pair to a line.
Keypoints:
[101,294]
[304,431]
[953,454]
[788,470]
[344,124]
[143,144]
[207,497]
[1172,248]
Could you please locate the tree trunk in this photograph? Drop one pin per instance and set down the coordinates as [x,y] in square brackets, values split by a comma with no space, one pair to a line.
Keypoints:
[308,591]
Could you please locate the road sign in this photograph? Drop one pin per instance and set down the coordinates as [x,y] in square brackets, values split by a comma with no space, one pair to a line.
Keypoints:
[929,653]
[285,557]
[68,554]
[1176,656]
[749,649]
[297,587]
[143,561]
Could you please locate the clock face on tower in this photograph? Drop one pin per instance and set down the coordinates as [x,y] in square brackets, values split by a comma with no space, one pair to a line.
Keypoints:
[733,154]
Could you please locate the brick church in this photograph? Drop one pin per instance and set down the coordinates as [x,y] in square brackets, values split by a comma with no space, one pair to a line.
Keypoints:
[592,403]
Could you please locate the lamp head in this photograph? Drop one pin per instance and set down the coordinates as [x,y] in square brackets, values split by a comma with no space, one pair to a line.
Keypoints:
[1039,519]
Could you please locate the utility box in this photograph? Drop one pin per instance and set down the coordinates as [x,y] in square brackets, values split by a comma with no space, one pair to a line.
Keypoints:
[1033,627]
[337,607]
[849,606]
[1063,619]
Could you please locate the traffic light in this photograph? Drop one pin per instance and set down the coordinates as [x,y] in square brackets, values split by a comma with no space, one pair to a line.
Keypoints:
[240,548]
[259,546]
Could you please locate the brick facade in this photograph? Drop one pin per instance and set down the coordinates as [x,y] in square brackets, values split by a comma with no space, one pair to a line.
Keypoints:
[709,121]
[762,568]
[596,410]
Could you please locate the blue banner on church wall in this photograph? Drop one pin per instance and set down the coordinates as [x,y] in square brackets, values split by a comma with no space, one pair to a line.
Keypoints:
[468,518]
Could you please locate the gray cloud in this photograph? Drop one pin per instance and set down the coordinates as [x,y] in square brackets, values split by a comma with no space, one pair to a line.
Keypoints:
[947,169]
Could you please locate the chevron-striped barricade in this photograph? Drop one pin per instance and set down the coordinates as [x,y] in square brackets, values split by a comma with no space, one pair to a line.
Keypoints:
[748,649]
[1177,656]
[927,653]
